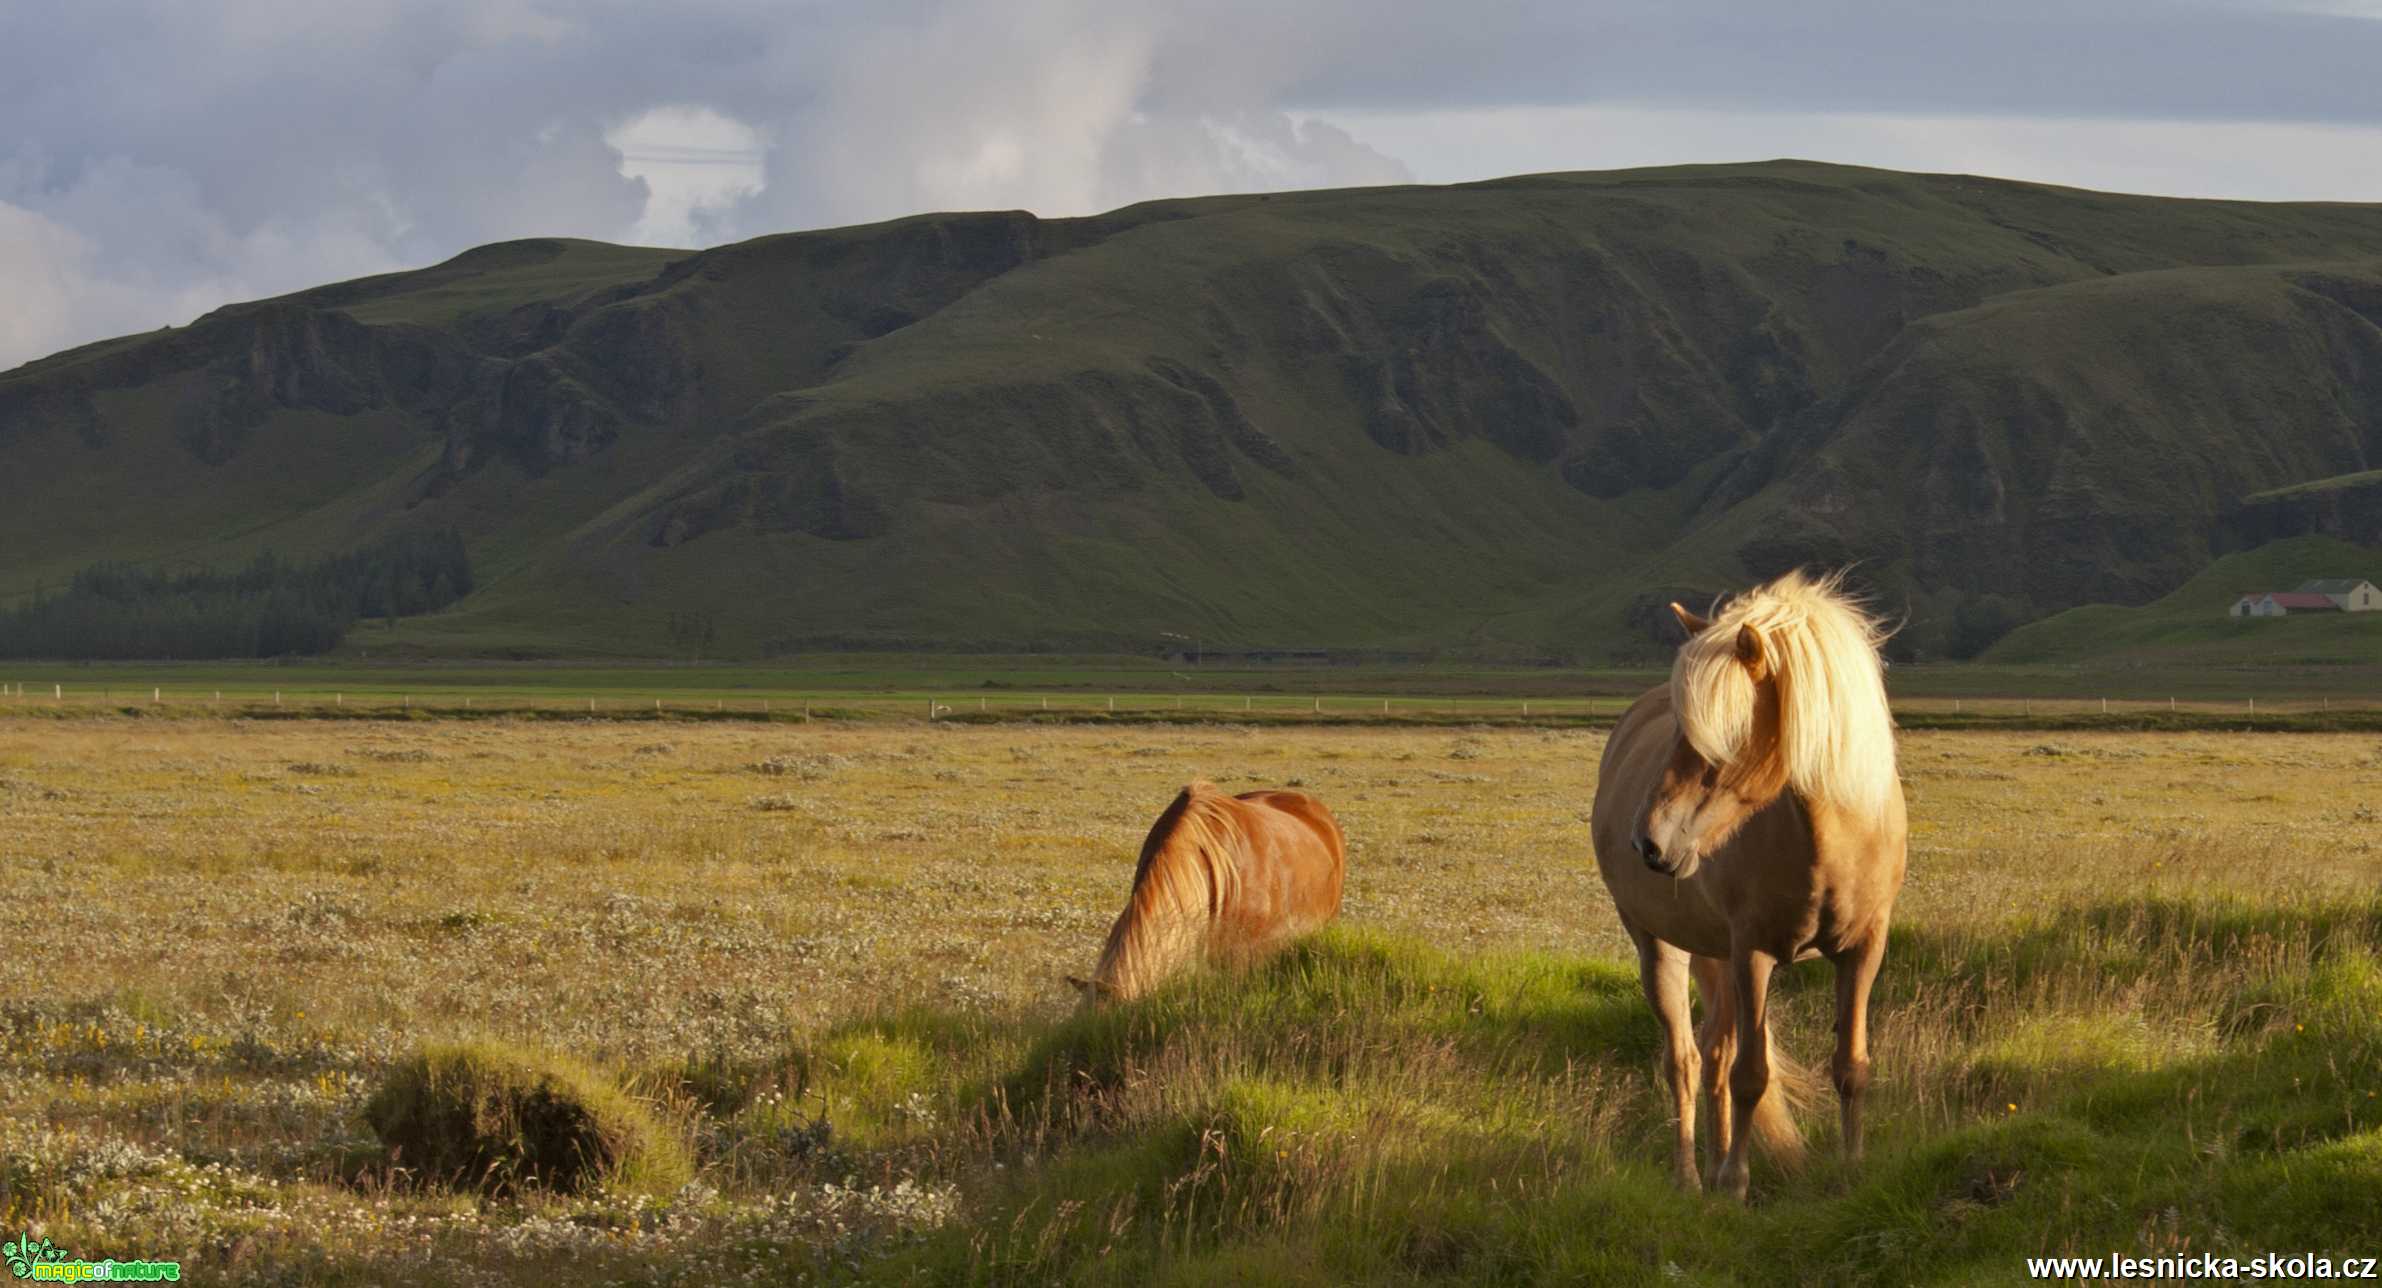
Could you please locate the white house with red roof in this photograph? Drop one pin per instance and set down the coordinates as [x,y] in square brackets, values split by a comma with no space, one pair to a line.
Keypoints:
[2283,603]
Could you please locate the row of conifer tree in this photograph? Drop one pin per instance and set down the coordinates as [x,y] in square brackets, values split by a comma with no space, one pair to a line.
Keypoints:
[272,607]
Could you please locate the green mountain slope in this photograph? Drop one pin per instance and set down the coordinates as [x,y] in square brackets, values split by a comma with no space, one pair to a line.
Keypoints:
[2190,625]
[1505,418]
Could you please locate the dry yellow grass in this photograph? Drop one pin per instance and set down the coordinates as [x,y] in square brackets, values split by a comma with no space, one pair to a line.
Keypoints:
[578,883]
[226,929]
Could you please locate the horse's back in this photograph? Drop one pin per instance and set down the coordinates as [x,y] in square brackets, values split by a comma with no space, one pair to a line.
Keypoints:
[1294,865]
[1309,812]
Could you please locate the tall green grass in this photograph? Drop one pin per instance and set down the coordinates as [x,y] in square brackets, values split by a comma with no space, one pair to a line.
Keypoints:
[2133,1075]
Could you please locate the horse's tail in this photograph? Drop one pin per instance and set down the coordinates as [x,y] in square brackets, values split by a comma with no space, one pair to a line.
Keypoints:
[1791,1088]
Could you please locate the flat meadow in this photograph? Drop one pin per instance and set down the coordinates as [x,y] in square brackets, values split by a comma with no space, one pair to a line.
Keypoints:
[2134,1004]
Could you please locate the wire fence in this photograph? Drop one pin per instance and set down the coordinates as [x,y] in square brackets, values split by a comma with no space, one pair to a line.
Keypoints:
[62,699]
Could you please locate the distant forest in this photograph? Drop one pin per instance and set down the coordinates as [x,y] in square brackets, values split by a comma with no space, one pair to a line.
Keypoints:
[270,608]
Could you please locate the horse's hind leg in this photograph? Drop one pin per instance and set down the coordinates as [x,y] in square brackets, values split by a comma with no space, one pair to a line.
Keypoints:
[1856,969]
[1662,971]
[1716,1038]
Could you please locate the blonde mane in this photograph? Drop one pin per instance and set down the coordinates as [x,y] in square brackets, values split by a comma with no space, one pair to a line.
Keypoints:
[1186,877]
[1835,729]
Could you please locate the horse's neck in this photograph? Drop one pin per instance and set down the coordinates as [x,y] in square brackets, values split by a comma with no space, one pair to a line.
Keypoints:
[1164,925]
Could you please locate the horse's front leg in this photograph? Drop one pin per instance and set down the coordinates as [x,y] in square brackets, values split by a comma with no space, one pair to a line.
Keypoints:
[1716,1039]
[1856,969]
[1749,1073]
[1662,971]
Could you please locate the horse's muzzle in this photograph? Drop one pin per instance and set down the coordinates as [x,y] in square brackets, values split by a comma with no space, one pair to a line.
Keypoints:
[1651,853]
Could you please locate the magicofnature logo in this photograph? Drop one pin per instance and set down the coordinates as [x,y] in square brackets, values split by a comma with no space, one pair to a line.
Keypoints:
[30,1258]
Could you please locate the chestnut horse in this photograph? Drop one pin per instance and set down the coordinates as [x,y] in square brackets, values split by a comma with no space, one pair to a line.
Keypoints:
[1223,880]
[1750,814]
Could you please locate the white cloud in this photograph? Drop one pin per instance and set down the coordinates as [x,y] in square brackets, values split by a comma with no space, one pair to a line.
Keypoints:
[266,145]
[44,266]
[972,106]
[695,163]
[1061,107]
[127,250]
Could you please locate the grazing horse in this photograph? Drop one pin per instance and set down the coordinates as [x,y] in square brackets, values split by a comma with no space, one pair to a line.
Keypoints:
[1223,879]
[1747,814]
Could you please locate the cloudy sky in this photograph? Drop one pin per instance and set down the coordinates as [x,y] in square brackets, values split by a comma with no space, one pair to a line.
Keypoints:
[161,157]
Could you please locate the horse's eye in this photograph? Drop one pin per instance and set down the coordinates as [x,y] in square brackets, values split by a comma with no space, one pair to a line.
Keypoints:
[1711,777]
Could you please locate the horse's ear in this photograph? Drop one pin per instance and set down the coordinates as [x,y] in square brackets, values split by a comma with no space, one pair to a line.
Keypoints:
[1752,651]
[1688,621]
[1084,986]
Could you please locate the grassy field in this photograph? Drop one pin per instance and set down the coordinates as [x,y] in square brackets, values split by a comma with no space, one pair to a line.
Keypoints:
[2134,1004]
[905,686]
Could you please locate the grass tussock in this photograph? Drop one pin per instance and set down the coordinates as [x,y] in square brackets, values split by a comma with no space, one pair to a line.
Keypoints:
[486,1115]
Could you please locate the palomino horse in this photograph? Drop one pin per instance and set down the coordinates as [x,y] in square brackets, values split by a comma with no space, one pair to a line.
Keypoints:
[1223,879]
[1748,814]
